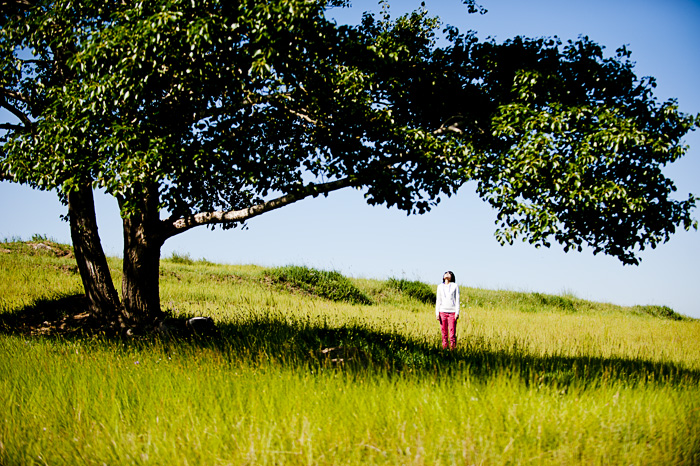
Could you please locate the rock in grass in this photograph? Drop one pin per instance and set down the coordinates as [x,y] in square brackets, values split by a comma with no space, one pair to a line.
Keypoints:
[202,326]
[193,327]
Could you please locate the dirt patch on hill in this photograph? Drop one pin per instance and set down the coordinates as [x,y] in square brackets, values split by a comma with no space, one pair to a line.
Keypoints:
[42,247]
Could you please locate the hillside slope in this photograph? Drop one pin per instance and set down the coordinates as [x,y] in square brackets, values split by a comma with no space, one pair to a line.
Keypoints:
[297,378]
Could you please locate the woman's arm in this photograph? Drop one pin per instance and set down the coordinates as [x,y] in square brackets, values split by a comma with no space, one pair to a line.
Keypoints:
[438,301]
[456,301]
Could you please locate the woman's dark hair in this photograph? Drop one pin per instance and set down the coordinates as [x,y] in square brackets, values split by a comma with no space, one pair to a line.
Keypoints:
[452,277]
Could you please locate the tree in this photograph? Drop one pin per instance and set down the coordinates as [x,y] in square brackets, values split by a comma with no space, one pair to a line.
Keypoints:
[36,45]
[215,113]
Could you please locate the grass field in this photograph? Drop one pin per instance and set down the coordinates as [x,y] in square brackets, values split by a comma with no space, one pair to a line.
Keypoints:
[296,378]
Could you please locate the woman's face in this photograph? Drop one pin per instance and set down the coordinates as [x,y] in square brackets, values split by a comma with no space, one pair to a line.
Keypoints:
[447,278]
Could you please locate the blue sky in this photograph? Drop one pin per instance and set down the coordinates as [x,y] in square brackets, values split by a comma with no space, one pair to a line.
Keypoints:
[341,232]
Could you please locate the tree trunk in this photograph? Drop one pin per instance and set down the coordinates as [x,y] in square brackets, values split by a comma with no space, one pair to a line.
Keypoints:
[142,244]
[90,257]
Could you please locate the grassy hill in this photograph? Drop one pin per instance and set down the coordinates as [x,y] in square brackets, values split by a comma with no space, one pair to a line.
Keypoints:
[311,367]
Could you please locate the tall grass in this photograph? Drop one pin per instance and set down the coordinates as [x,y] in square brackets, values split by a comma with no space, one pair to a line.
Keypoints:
[299,379]
[415,289]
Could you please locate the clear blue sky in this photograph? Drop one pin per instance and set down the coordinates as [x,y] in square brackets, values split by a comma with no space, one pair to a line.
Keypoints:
[343,233]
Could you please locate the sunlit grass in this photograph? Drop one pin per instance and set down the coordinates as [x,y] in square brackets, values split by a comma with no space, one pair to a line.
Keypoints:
[533,381]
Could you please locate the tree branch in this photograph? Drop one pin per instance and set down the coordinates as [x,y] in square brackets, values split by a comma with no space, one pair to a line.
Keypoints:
[18,3]
[14,110]
[172,228]
[10,127]
[451,126]
[13,95]
[279,98]
[303,116]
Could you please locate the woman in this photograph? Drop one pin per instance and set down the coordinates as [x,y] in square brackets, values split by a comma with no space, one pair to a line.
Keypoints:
[447,309]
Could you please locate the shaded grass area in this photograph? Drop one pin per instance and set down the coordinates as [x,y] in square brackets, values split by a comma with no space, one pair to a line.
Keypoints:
[61,316]
[300,343]
[64,314]
[354,347]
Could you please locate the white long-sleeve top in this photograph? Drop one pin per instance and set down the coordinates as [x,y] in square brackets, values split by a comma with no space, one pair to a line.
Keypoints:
[447,299]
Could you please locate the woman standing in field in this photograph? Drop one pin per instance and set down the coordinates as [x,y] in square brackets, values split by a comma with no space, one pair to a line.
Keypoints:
[447,309]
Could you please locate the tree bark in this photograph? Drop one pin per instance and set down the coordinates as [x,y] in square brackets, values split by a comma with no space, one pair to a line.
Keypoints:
[142,244]
[89,255]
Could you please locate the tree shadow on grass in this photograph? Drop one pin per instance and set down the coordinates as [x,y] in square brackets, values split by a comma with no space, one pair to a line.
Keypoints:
[357,348]
[61,316]
[352,348]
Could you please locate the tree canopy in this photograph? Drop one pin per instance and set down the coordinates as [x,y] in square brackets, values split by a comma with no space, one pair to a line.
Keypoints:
[212,112]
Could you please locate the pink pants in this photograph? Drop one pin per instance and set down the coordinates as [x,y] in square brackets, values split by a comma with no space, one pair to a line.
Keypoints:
[448,325]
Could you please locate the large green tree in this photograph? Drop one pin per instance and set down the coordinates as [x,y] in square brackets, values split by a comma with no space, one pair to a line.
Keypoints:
[213,112]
